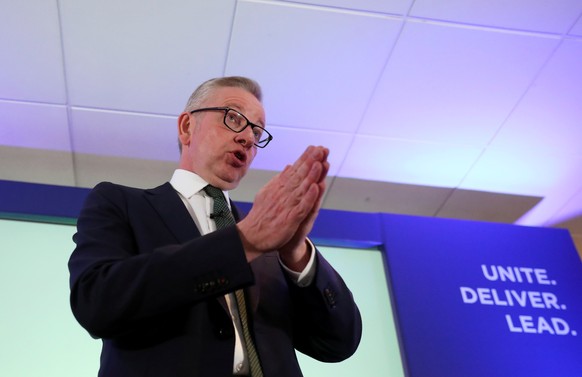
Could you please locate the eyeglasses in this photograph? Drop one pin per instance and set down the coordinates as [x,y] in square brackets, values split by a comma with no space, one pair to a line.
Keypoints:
[237,122]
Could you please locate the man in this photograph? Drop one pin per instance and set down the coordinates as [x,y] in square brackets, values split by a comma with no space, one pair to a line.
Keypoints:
[159,274]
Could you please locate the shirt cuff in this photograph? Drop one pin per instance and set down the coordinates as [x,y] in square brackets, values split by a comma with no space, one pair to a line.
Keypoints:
[305,277]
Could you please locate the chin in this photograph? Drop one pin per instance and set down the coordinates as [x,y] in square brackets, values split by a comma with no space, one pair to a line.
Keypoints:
[231,179]
[230,184]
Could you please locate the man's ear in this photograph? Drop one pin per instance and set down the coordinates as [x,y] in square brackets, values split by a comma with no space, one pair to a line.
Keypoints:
[184,128]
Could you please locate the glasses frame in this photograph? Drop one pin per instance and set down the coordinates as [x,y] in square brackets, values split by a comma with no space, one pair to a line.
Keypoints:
[252,125]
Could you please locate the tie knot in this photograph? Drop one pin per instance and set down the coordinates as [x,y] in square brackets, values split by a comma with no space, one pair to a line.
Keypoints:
[214,192]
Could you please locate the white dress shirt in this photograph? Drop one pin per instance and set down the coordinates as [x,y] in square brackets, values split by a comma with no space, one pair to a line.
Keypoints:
[190,187]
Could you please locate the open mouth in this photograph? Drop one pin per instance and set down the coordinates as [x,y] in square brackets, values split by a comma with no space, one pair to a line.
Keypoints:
[240,156]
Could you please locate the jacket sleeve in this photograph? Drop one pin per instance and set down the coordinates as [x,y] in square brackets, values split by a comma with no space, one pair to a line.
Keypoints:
[121,284]
[327,320]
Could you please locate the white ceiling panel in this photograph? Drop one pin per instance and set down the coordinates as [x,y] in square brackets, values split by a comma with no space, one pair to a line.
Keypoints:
[415,98]
[34,126]
[522,171]
[451,84]
[31,65]
[549,118]
[132,56]
[529,172]
[392,6]
[318,68]
[577,29]
[288,144]
[111,133]
[417,163]
[545,213]
[552,16]
[570,213]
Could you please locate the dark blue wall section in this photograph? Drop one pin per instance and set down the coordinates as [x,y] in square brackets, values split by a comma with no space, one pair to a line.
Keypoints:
[40,202]
[342,228]
[61,204]
[483,299]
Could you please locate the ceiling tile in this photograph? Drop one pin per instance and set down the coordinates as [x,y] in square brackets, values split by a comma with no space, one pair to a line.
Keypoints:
[521,171]
[124,55]
[552,16]
[451,84]
[577,28]
[37,166]
[570,215]
[557,201]
[457,73]
[34,126]
[549,118]
[373,196]
[288,144]
[318,68]
[31,66]
[392,6]
[117,134]
[417,163]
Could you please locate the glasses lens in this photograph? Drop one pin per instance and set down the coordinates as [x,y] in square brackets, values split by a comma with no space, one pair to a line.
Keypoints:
[263,140]
[237,122]
[258,132]
[234,120]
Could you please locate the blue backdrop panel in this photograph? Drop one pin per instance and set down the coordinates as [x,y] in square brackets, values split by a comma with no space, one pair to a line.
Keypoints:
[483,299]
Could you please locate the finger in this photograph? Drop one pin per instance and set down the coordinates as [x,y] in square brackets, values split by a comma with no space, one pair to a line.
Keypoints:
[325,153]
[312,154]
[301,170]
[324,171]
[310,179]
[304,156]
[322,167]
[304,207]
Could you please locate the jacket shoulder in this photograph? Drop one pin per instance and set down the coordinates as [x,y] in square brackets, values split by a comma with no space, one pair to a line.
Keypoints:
[109,188]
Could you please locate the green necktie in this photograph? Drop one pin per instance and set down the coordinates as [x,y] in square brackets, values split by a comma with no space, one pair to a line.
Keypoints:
[223,218]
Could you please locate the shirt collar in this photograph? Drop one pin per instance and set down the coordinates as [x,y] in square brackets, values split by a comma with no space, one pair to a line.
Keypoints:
[188,184]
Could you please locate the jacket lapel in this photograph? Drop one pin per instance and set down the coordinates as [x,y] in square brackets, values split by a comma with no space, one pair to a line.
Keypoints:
[167,203]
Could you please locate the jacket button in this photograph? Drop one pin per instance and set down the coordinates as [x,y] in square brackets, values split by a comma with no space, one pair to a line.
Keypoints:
[223,333]
[330,297]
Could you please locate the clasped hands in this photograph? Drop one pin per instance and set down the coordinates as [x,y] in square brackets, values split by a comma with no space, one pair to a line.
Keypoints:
[285,209]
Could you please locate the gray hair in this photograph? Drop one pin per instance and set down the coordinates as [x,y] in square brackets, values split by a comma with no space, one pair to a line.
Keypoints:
[204,91]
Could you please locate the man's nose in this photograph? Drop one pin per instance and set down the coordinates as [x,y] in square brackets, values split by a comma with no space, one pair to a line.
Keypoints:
[246,137]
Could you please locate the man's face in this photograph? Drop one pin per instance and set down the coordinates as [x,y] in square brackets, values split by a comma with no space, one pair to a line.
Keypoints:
[209,149]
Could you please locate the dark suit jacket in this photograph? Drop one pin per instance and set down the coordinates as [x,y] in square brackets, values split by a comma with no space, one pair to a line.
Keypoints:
[145,281]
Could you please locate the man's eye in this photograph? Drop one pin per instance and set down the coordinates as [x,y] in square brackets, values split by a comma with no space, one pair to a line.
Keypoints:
[258,133]
[236,119]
